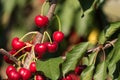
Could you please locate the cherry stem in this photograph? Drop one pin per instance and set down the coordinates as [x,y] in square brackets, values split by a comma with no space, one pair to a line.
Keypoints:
[42,8]
[59,22]
[44,34]
[34,32]
[21,49]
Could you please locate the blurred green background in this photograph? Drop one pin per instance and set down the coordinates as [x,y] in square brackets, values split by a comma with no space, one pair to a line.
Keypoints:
[17,18]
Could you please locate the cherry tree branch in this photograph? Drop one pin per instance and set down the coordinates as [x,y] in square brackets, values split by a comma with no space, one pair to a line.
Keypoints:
[4,52]
[107,45]
[51,10]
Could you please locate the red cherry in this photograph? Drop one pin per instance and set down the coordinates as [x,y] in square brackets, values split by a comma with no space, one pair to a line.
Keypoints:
[28,48]
[58,36]
[16,44]
[32,67]
[41,21]
[25,73]
[39,77]
[69,77]
[14,75]
[40,49]
[9,68]
[52,47]
[79,69]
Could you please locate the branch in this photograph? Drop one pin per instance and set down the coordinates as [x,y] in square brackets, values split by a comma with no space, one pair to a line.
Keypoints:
[4,52]
[51,10]
[109,44]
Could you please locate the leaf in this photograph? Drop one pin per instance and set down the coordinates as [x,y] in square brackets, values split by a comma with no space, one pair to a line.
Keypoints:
[101,71]
[73,57]
[67,15]
[84,24]
[92,57]
[110,55]
[50,67]
[87,74]
[113,27]
[115,58]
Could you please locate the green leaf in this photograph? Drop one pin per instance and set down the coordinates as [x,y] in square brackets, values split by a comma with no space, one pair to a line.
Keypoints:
[67,15]
[73,57]
[109,32]
[87,74]
[92,57]
[115,58]
[110,55]
[101,71]
[50,67]
[85,24]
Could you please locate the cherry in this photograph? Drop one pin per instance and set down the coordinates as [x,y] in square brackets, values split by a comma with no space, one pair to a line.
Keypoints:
[41,21]
[14,75]
[52,47]
[39,77]
[78,70]
[9,68]
[40,49]
[28,49]
[67,78]
[16,44]
[32,67]
[25,73]
[58,36]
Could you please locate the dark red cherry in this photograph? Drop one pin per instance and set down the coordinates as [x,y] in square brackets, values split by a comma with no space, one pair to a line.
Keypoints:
[39,77]
[9,68]
[32,67]
[40,49]
[14,75]
[41,21]
[25,73]
[52,47]
[79,69]
[58,36]
[16,44]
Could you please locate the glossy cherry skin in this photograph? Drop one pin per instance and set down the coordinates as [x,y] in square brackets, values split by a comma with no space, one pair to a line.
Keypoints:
[32,67]
[25,73]
[41,21]
[9,68]
[16,44]
[40,49]
[58,36]
[14,75]
[52,47]
[39,77]
[67,78]
[78,70]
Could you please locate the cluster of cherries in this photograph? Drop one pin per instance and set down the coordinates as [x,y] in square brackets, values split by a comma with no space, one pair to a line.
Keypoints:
[23,73]
[51,47]
[19,48]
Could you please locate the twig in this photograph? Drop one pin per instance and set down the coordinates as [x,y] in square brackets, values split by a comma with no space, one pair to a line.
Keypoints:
[109,44]
[51,10]
[4,52]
